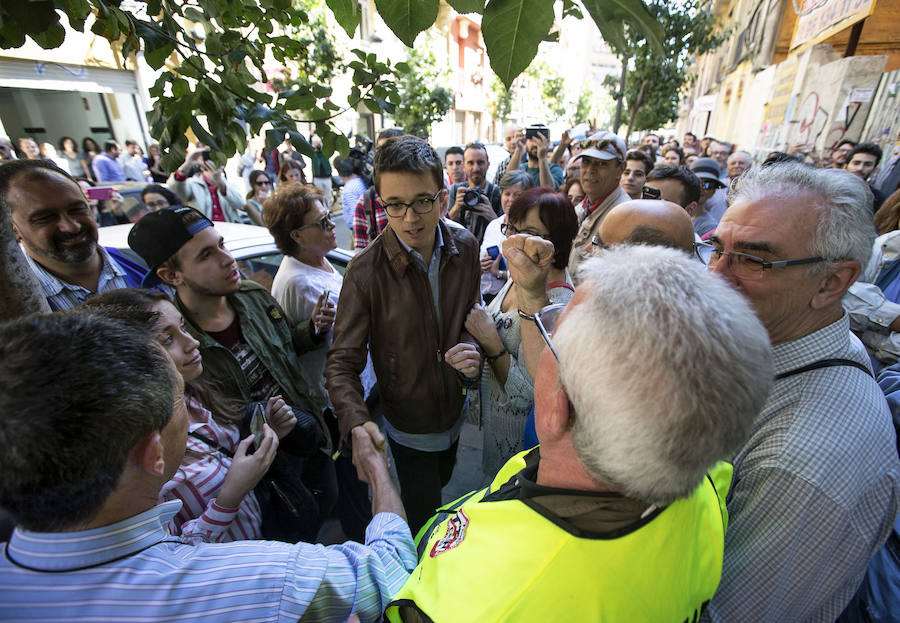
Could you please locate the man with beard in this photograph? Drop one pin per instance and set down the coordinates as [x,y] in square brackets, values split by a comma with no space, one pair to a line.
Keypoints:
[484,199]
[55,226]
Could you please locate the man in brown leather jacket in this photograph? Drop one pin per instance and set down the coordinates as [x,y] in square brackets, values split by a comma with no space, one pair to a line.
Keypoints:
[406,296]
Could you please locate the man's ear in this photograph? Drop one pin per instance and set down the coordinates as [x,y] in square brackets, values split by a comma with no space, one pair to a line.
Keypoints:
[15,230]
[835,283]
[691,209]
[558,421]
[169,275]
[147,454]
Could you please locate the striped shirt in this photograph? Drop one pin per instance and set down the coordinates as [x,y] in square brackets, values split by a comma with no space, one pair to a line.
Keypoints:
[133,570]
[62,295]
[198,481]
[815,489]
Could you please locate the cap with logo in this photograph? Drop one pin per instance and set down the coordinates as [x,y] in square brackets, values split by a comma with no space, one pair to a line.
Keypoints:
[603,146]
[707,169]
[157,236]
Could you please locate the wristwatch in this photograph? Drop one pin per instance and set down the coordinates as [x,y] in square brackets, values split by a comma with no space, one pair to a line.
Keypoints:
[502,275]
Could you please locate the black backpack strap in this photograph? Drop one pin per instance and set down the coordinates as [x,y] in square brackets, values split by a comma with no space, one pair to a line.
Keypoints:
[824,363]
[212,444]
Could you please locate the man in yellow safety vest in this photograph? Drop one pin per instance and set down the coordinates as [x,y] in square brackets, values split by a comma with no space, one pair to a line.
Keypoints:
[650,377]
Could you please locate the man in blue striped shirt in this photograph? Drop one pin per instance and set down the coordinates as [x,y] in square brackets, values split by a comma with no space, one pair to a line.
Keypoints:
[86,450]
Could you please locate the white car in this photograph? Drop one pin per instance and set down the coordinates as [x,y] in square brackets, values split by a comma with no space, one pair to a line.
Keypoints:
[253,247]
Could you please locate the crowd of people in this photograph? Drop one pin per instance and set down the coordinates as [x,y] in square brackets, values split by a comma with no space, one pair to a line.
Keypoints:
[685,357]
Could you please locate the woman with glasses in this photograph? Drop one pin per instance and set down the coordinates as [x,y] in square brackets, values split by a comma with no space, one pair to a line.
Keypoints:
[260,188]
[308,286]
[493,267]
[156,197]
[507,387]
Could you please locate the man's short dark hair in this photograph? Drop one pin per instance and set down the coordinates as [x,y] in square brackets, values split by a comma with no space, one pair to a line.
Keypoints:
[453,150]
[171,197]
[867,148]
[845,141]
[690,183]
[29,170]
[476,145]
[641,156]
[77,392]
[109,144]
[690,134]
[407,154]
[129,142]
[389,133]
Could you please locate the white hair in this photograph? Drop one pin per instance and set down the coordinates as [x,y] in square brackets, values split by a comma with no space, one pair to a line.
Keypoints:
[666,367]
[846,229]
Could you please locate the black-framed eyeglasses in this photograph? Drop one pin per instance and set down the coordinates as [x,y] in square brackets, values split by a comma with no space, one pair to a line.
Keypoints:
[710,184]
[744,265]
[546,320]
[325,223]
[510,230]
[420,206]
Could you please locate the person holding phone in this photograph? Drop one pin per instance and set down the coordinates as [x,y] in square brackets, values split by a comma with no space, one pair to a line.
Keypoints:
[537,146]
[219,470]
[493,266]
[507,383]
[202,185]
[308,286]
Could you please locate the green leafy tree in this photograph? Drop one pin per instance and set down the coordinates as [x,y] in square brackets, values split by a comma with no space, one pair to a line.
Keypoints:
[210,84]
[423,100]
[554,92]
[655,80]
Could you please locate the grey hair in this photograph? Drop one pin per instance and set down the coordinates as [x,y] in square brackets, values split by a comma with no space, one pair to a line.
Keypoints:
[512,178]
[846,230]
[666,367]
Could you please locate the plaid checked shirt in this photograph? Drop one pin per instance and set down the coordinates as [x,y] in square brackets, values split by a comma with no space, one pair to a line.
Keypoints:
[361,219]
[815,489]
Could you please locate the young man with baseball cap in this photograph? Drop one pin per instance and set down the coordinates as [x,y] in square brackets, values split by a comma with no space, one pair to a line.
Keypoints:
[712,201]
[248,345]
[602,163]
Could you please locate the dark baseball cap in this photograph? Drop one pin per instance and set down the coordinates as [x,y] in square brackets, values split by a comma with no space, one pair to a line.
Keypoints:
[707,169]
[157,236]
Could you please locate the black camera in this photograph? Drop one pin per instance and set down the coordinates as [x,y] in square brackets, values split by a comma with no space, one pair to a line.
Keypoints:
[470,198]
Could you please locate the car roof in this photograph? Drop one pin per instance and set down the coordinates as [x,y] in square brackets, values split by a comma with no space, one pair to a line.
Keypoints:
[241,240]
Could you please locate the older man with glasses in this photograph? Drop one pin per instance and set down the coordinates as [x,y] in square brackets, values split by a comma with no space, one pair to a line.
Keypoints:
[618,514]
[815,491]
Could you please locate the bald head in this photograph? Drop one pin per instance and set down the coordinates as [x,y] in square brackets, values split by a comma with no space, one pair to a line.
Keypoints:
[648,221]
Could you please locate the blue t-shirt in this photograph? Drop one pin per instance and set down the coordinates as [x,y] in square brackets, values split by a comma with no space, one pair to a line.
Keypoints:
[555,172]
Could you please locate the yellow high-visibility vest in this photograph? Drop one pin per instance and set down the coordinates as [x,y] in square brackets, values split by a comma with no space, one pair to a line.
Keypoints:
[511,560]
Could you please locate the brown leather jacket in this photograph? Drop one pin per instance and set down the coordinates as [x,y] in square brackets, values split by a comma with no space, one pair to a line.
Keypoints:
[386,302]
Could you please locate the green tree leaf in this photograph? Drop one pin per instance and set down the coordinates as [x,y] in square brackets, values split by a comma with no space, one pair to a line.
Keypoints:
[467,6]
[347,14]
[609,16]
[51,38]
[407,18]
[512,31]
